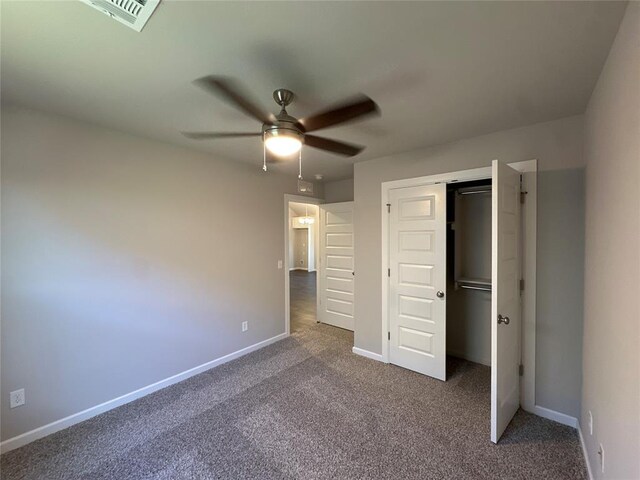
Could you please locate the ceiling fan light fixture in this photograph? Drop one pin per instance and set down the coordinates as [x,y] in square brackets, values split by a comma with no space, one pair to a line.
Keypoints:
[282,142]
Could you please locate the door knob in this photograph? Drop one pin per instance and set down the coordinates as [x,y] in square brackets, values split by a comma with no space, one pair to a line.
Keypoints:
[440,294]
[502,319]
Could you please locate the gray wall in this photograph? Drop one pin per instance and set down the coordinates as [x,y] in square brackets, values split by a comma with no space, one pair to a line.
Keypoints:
[126,261]
[338,191]
[558,147]
[300,248]
[611,362]
[559,289]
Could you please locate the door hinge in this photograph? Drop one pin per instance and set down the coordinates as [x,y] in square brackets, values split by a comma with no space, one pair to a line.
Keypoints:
[388,208]
[523,195]
[388,272]
[388,335]
[522,284]
[521,370]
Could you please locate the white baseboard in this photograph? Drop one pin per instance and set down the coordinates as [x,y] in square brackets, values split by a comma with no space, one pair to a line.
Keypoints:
[556,416]
[584,452]
[367,353]
[40,432]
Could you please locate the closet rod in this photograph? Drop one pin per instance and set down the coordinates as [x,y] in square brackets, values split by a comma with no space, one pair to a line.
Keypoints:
[473,191]
[485,289]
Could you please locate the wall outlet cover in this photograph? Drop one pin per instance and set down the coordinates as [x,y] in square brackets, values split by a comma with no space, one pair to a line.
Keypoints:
[16,398]
[245,326]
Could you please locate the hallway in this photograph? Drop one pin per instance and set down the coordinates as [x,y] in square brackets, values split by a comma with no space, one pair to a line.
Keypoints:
[302,299]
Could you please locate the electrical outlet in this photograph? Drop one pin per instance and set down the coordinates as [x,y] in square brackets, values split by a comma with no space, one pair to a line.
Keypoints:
[279,264]
[601,455]
[16,398]
[590,420]
[245,326]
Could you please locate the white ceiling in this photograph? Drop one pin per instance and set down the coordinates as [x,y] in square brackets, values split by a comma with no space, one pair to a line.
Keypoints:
[440,71]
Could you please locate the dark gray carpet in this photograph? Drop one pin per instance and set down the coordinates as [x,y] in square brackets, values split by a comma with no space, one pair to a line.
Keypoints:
[308,408]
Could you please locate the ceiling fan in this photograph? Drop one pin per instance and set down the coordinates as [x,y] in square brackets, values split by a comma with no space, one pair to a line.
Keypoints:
[283,134]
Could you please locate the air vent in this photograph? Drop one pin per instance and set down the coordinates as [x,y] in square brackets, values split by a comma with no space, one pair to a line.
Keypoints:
[133,13]
[305,187]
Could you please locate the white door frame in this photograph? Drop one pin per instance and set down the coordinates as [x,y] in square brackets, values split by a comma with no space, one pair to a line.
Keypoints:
[288,198]
[527,383]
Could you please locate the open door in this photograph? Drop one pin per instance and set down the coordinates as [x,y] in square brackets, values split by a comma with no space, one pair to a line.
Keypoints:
[417,279]
[336,275]
[505,298]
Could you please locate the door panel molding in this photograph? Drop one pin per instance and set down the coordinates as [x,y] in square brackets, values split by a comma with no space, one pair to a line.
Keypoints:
[336,279]
[506,337]
[417,262]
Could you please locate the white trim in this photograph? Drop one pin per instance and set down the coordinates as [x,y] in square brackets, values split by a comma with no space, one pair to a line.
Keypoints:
[286,268]
[527,394]
[459,176]
[562,418]
[528,325]
[367,353]
[584,452]
[40,432]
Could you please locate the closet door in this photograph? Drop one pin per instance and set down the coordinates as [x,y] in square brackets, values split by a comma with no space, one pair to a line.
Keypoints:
[336,279]
[417,279]
[505,298]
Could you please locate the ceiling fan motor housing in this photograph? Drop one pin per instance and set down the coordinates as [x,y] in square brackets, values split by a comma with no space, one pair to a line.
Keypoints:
[285,124]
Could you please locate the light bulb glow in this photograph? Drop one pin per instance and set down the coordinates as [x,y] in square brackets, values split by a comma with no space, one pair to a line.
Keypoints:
[282,145]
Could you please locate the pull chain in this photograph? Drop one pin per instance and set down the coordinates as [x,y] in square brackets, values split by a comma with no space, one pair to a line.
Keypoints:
[300,163]
[264,157]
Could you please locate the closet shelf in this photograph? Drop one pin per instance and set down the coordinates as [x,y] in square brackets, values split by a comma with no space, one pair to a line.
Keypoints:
[474,283]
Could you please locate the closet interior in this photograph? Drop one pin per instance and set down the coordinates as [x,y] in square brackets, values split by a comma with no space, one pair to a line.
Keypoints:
[469,271]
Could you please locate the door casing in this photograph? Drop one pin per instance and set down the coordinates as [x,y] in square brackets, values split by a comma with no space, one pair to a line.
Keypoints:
[529,170]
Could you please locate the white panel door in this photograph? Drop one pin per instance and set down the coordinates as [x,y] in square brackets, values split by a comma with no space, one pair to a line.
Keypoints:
[417,279]
[505,298]
[336,279]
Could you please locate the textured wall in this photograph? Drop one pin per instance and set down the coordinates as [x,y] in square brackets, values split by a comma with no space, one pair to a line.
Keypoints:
[126,261]
[558,147]
[611,363]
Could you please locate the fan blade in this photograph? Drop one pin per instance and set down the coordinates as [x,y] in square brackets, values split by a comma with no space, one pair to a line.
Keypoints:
[210,135]
[362,106]
[232,93]
[332,145]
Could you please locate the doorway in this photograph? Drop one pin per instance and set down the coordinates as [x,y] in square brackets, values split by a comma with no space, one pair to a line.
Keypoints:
[302,259]
[318,263]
